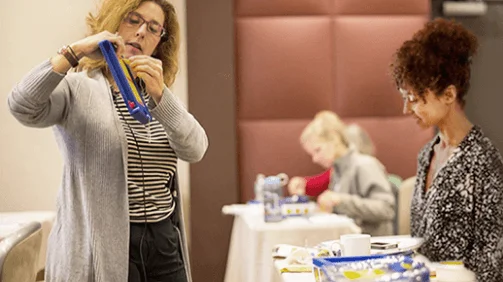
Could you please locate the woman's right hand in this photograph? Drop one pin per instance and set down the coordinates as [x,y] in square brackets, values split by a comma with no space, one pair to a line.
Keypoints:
[88,47]
[297,186]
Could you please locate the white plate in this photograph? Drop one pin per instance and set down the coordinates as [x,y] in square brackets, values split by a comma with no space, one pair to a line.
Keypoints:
[405,244]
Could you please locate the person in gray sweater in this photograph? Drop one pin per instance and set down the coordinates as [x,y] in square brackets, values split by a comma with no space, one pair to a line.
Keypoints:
[358,187]
[118,212]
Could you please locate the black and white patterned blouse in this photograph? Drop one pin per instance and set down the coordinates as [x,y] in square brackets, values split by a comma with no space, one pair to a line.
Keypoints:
[460,216]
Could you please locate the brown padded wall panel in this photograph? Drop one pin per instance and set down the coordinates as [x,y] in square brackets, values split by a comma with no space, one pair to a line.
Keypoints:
[282,7]
[397,141]
[381,7]
[283,67]
[212,51]
[297,57]
[271,147]
[363,49]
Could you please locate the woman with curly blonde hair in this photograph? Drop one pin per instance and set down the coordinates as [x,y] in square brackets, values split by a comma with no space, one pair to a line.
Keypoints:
[358,186]
[118,210]
[314,185]
[109,18]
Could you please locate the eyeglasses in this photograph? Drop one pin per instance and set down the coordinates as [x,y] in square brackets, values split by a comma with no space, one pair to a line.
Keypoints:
[135,20]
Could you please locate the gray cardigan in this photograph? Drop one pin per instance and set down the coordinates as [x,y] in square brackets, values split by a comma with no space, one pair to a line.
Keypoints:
[90,239]
[366,194]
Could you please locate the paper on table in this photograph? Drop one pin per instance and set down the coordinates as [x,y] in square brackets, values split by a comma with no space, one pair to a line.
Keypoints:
[286,266]
[284,250]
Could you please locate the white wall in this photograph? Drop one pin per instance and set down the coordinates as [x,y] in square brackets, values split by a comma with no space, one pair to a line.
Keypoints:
[31,31]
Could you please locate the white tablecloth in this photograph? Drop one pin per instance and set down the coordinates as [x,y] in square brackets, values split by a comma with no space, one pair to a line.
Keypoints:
[8,221]
[298,277]
[252,240]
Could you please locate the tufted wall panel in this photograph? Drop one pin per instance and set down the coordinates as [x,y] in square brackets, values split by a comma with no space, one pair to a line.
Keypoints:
[296,57]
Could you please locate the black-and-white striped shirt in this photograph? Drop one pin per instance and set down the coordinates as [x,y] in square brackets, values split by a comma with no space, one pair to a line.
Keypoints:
[151,164]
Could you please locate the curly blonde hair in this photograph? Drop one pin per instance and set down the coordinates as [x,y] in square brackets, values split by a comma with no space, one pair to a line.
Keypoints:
[326,126]
[109,17]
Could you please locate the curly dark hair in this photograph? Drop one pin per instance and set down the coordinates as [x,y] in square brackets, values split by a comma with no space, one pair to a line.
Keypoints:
[437,56]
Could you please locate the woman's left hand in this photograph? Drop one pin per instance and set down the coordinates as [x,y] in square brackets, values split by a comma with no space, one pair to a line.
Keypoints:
[149,69]
[328,200]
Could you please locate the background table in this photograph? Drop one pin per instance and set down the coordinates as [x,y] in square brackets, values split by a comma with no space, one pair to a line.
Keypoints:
[252,240]
[9,221]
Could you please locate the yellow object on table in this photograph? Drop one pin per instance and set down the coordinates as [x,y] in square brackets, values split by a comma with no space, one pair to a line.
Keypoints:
[296,269]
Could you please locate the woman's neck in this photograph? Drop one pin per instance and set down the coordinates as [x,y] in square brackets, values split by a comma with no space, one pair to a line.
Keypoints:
[341,151]
[454,128]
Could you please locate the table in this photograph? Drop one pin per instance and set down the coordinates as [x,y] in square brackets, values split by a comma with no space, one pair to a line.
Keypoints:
[9,221]
[292,277]
[8,229]
[303,277]
[252,240]
[309,277]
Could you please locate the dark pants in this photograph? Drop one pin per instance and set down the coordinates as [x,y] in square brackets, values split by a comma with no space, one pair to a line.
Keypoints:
[161,253]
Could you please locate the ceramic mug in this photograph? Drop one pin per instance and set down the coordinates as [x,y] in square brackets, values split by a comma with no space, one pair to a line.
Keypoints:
[352,245]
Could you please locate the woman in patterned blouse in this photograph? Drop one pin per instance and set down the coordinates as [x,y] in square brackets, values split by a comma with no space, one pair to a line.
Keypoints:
[457,205]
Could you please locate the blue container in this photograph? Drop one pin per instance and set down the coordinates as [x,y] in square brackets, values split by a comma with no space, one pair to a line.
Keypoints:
[375,268]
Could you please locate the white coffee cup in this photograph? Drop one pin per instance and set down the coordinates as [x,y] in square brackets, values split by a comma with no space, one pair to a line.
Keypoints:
[352,245]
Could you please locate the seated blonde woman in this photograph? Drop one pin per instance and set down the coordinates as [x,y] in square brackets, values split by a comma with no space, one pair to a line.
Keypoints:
[358,184]
[315,185]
